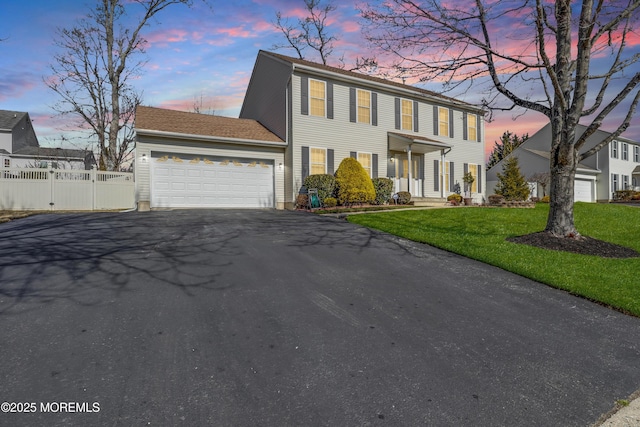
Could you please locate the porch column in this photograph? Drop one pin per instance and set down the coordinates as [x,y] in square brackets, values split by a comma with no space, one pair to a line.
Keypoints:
[410,172]
[442,172]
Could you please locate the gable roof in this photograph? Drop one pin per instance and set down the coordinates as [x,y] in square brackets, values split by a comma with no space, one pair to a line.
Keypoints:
[9,119]
[151,120]
[371,79]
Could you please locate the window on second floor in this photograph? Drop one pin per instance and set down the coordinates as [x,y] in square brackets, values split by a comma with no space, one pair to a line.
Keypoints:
[636,154]
[625,151]
[407,114]
[317,98]
[365,161]
[318,161]
[472,127]
[614,149]
[364,106]
[443,121]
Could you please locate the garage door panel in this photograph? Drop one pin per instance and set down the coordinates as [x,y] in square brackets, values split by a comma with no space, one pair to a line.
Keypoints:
[583,190]
[193,182]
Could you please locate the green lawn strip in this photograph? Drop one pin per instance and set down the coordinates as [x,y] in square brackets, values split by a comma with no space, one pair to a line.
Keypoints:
[480,233]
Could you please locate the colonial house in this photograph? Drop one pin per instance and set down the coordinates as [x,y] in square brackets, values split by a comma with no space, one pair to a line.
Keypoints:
[615,167]
[19,147]
[300,118]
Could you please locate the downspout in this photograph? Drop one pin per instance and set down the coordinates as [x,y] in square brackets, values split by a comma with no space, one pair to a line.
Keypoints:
[443,170]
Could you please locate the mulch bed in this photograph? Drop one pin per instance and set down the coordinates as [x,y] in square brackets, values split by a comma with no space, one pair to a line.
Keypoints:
[584,246]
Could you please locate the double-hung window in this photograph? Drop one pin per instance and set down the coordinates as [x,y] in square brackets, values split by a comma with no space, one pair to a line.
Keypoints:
[406,108]
[317,98]
[473,169]
[317,161]
[472,127]
[625,182]
[443,121]
[636,154]
[364,106]
[365,161]
[614,182]
[625,151]
[614,149]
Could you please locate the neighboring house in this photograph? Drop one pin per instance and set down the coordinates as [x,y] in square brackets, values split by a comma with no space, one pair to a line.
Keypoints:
[307,117]
[615,167]
[19,147]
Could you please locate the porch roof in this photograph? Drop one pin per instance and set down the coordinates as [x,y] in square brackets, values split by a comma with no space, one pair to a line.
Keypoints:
[418,144]
[636,171]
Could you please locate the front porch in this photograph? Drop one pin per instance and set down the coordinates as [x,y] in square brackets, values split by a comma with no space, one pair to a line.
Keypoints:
[406,164]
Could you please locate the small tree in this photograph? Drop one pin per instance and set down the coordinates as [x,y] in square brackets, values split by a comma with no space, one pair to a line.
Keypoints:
[468,180]
[511,183]
[353,183]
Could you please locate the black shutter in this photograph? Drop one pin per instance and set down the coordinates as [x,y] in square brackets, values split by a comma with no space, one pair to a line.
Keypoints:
[451,177]
[436,175]
[465,131]
[330,165]
[374,109]
[374,166]
[352,105]
[435,120]
[329,100]
[305,163]
[397,105]
[391,168]
[479,178]
[353,155]
[478,127]
[450,123]
[415,116]
[304,95]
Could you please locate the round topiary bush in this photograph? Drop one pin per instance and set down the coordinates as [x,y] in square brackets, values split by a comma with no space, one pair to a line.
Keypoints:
[383,188]
[454,199]
[353,184]
[404,197]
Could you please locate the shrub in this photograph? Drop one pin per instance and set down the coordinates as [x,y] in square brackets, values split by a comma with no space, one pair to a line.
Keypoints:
[404,197]
[511,183]
[454,199]
[330,202]
[302,201]
[545,199]
[325,184]
[353,184]
[624,195]
[383,188]
[496,199]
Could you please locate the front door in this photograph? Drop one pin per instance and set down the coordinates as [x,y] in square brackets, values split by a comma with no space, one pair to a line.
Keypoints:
[402,175]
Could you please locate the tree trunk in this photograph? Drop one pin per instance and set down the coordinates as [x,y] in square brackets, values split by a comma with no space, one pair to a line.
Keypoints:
[561,188]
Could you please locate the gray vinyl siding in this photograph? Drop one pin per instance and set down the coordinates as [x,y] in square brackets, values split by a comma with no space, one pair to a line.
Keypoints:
[266,99]
[343,136]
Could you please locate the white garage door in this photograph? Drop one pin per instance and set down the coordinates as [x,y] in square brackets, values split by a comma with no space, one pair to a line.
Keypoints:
[184,181]
[583,190]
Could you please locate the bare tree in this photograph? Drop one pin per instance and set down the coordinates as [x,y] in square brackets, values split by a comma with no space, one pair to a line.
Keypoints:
[311,32]
[93,73]
[308,32]
[536,55]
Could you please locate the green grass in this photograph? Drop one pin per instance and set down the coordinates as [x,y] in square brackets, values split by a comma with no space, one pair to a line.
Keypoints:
[480,233]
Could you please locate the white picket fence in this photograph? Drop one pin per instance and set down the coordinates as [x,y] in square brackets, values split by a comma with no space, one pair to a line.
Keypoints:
[64,189]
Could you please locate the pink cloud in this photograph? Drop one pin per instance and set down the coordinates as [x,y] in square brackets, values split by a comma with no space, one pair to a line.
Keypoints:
[235,32]
[15,84]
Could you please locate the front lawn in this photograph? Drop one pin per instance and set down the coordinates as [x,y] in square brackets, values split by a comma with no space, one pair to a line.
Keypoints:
[480,233]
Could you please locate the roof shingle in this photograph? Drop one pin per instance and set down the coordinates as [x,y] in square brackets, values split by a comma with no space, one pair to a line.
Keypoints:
[182,122]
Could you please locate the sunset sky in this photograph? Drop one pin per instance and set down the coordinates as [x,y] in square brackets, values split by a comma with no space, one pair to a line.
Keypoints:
[199,55]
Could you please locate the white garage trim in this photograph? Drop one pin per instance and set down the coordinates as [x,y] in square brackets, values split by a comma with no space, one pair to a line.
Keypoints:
[180,180]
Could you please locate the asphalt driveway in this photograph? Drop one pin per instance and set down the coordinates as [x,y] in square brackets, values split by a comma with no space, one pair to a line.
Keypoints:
[269,318]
